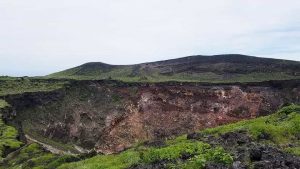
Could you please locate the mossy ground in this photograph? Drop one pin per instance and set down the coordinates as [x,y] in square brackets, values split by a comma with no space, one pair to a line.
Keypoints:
[200,153]
[8,134]
[22,85]
[3,104]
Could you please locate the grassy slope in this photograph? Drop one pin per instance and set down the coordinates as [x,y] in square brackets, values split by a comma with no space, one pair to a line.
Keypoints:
[282,128]
[182,77]
[200,152]
[3,104]
[21,85]
[8,134]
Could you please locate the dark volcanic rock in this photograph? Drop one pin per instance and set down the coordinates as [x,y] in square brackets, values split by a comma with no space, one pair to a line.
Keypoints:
[265,157]
[255,154]
[155,143]
[215,166]
[195,136]
[155,165]
[247,153]
[236,138]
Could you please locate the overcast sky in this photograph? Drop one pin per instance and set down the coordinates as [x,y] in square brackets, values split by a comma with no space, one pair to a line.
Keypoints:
[38,37]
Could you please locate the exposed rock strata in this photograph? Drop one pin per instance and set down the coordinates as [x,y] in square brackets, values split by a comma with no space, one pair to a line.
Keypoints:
[111,116]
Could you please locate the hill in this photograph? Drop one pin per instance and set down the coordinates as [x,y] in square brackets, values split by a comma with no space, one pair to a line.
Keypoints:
[217,68]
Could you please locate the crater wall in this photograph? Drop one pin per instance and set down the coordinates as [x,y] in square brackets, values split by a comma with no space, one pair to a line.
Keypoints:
[110,116]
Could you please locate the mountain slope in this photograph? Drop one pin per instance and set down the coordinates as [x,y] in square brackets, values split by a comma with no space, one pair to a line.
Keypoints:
[218,68]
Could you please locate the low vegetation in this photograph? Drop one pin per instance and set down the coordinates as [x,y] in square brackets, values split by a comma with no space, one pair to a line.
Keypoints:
[34,156]
[210,77]
[199,154]
[8,134]
[22,85]
[3,104]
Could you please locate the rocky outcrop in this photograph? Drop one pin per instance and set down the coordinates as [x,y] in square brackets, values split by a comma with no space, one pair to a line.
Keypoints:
[247,153]
[110,116]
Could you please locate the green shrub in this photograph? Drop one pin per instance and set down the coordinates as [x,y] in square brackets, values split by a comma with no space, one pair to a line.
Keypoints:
[3,104]
[173,151]
[118,161]
[293,150]
[216,155]
[62,160]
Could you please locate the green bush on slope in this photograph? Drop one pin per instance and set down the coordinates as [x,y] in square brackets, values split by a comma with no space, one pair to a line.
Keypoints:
[3,104]
[200,154]
[33,156]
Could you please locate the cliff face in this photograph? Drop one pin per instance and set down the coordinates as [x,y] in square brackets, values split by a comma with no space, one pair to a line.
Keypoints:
[111,116]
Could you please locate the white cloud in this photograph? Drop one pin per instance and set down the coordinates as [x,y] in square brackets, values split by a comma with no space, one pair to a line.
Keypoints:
[40,37]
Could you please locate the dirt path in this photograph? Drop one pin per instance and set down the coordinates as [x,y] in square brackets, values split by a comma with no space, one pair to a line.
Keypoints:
[48,147]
